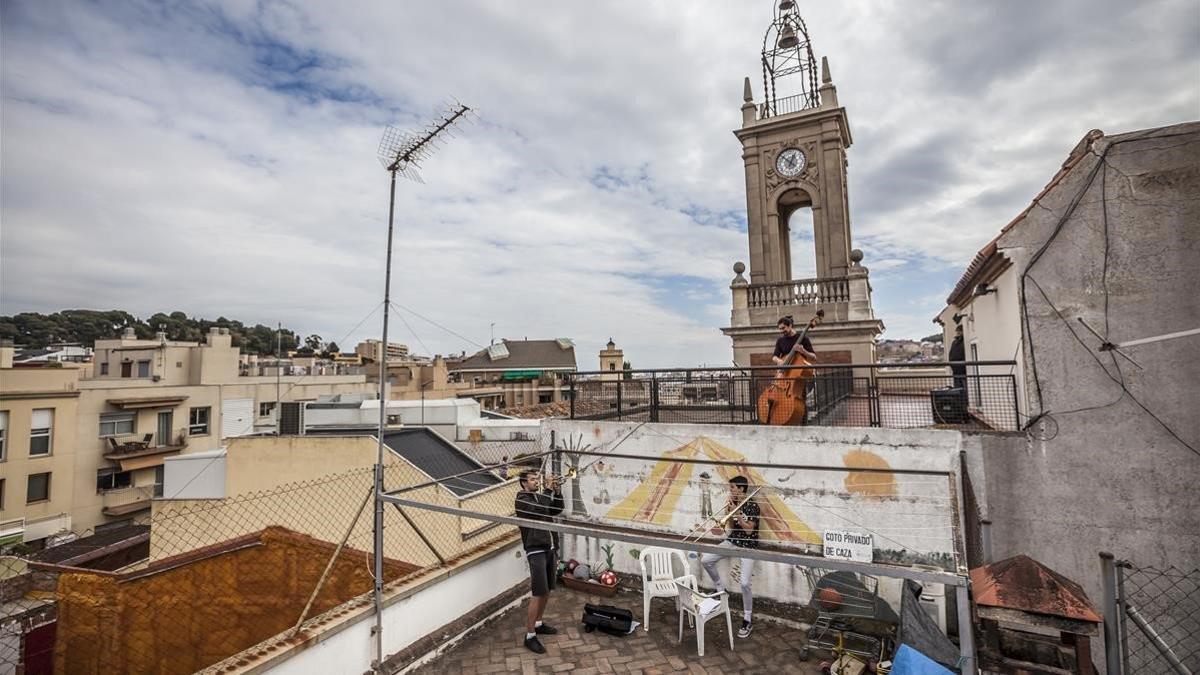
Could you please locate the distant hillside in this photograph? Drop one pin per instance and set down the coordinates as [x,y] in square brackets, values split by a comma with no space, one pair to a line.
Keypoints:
[85,326]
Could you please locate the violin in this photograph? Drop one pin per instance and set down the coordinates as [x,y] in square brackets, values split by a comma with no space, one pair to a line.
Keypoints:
[783,402]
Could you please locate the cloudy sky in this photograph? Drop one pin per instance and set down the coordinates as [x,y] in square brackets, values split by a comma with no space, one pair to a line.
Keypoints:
[219,158]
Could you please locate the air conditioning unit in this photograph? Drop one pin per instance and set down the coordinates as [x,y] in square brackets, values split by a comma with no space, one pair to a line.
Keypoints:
[157,378]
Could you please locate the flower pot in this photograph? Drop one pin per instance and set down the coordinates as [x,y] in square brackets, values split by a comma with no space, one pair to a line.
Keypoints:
[593,587]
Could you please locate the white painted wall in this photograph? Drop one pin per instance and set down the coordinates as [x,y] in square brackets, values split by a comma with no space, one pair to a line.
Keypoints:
[993,324]
[918,516]
[197,476]
[436,412]
[499,430]
[351,650]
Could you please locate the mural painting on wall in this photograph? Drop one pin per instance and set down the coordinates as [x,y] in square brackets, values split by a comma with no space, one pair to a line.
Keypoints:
[679,485]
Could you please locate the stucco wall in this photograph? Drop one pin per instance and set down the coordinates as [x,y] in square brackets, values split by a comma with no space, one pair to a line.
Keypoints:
[1109,477]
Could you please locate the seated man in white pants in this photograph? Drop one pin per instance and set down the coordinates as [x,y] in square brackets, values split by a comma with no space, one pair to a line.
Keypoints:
[742,532]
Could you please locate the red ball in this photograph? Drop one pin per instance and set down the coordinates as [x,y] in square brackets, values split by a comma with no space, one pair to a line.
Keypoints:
[609,578]
[572,564]
[830,599]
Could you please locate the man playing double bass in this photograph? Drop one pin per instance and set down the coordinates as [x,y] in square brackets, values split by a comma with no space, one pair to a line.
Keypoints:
[787,341]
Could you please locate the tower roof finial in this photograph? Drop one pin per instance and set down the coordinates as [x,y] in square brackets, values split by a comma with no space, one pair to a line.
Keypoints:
[787,53]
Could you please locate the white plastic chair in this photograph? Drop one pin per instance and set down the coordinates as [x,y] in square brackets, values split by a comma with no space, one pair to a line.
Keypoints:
[658,577]
[692,603]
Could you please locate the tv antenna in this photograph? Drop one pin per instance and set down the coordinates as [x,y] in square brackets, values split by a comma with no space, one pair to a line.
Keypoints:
[401,152]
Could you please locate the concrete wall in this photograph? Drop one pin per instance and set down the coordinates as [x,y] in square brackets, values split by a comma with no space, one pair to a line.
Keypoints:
[410,613]
[1110,477]
[911,517]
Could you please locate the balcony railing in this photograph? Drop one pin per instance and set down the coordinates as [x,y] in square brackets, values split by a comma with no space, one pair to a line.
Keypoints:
[123,501]
[787,105]
[799,292]
[982,395]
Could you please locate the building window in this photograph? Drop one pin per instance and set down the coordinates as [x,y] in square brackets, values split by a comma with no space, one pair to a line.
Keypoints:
[612,366]
[111,479]
[198,422]
[104,368]
[126,369]
[3,434]
[38,488]
[40,429]
[1,494]
[117,424]
[265,409]
[143,369]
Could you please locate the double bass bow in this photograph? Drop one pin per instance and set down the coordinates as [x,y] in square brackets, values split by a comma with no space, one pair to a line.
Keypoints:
[783,402]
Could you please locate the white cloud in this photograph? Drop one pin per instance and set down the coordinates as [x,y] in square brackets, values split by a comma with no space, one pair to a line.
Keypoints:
[219,159]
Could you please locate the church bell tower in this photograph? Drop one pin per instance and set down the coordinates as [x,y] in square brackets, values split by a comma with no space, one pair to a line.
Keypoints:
[794,147]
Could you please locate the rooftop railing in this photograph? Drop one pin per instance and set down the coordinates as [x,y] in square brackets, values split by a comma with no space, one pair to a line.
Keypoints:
[971,395]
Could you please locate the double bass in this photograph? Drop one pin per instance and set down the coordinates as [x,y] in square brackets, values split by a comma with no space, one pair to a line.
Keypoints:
[783,401]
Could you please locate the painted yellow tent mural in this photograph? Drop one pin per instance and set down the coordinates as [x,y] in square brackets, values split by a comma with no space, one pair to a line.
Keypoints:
[655,499]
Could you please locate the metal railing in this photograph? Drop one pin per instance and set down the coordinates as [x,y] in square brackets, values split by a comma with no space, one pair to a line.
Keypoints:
[1152,618]
[894,396]
[787,105]
[799,292]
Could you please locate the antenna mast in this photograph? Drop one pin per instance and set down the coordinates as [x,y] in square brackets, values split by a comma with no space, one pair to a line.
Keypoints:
[400,152]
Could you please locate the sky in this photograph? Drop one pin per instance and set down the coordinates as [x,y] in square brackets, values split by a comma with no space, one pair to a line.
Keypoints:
[220,158]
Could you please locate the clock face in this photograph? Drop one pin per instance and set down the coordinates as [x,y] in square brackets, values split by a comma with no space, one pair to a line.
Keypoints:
[790,162]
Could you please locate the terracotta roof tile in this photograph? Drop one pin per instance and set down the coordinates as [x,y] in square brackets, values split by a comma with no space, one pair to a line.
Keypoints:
[1026,585]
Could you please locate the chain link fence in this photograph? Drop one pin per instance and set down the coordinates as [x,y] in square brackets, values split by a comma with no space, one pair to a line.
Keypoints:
[211,578]
[1155,612]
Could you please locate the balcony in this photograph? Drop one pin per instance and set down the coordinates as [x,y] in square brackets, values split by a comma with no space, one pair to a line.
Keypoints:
[799,292]
[894,396]
[124,501]
[787,105]
[141,454]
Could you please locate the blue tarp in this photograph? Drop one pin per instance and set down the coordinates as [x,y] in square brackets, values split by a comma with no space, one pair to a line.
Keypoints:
[909,661]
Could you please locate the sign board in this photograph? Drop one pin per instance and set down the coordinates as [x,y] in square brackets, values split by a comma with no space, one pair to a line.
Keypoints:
[846,545]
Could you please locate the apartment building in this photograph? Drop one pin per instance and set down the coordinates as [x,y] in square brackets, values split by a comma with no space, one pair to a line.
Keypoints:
[113,424]
[515,373]
[38,408]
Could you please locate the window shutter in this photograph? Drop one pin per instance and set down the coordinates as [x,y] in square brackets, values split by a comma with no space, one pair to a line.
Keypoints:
[42,419]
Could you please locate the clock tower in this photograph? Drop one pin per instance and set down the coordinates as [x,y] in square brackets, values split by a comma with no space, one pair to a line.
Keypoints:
[794,147]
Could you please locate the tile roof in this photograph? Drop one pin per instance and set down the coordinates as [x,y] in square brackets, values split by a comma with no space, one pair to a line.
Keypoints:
[440,459]
[1026,585]
[967,280]
[522,355]
[84,547]
[584,407]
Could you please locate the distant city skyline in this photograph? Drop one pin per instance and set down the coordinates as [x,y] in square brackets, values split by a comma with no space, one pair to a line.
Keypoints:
[220,159]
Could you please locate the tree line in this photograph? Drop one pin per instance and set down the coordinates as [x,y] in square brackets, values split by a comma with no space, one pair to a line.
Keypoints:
[85,326]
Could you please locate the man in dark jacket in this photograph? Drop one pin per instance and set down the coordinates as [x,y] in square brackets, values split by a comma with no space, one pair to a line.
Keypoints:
[535,503]
[956,356]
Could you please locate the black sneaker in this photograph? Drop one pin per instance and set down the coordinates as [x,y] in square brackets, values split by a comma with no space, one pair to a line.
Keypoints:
[744,631]
[545,629]
[533,645]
